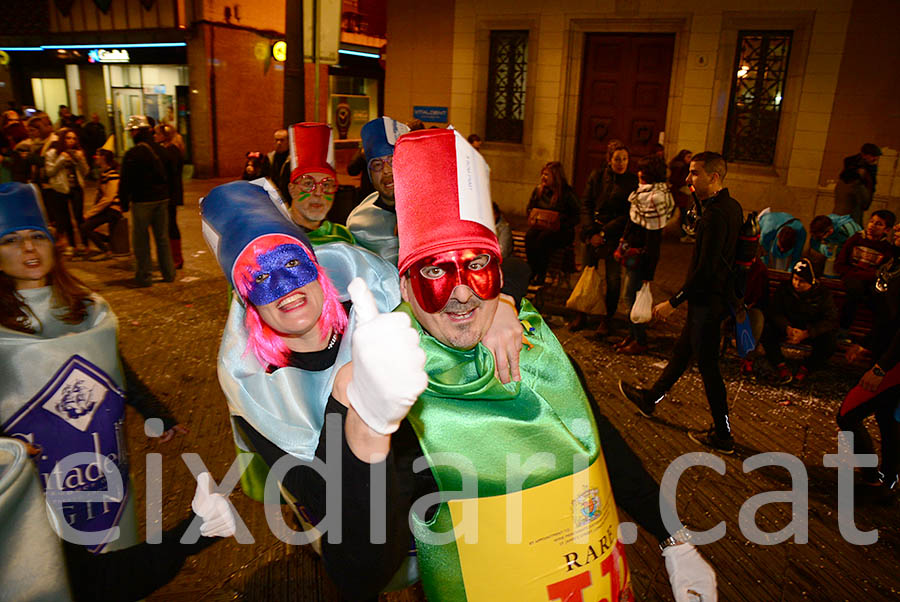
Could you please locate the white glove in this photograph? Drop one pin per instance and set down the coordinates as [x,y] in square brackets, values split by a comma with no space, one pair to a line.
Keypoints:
[388,364]
[213,508]
[692,578]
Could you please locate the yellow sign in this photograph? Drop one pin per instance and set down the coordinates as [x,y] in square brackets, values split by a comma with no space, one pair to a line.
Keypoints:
[4,57]
[279,51]
[559,543]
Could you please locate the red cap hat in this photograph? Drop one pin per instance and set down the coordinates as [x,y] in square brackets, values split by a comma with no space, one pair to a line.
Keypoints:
[312,149]
[443,196]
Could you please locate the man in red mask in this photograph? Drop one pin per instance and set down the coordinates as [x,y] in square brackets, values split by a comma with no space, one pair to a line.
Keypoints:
[400,406]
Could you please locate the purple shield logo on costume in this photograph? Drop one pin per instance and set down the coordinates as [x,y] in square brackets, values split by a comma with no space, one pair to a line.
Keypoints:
[80,409]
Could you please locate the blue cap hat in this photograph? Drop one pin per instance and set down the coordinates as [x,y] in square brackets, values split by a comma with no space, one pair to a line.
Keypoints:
[238,213]
[20,209]
[380,135]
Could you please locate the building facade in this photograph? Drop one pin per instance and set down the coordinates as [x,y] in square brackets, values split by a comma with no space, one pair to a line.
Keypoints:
[784,89]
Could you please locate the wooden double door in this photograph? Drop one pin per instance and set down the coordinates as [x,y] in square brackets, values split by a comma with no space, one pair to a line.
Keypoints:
[624,96]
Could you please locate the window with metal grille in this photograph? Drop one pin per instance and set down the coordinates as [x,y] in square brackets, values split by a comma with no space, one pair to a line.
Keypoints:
[506,86]
[757,95]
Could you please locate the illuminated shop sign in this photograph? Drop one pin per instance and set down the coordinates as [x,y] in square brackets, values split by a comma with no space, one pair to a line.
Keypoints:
[112,55]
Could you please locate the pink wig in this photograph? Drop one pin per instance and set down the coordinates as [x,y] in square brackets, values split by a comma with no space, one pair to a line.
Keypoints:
[266,343]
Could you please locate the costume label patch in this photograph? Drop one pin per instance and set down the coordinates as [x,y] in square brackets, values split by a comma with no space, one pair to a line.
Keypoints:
[80,409]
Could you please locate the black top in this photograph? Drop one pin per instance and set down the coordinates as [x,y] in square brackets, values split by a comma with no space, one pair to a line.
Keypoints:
[147,170]
[605,200]
[710,272]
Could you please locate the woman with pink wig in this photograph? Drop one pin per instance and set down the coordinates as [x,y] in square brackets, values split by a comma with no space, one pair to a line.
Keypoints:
[288,326]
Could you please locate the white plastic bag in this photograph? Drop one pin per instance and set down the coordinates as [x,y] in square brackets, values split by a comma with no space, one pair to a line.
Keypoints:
[642,310]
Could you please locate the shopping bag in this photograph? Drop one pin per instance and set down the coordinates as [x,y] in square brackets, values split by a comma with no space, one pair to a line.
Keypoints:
[586,296]
[642,310]
[743,331]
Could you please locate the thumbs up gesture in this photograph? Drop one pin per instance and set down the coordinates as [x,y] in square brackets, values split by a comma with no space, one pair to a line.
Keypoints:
[388,364]
[213,508]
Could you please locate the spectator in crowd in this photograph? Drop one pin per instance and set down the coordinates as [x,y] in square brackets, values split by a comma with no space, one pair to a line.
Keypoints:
[858,263]
[93,135]
[41,136]
[503,231]
[684,200]
[781,237]
[708,288]
[279,165]
[827,234]
[106,208]
[552,216]
[144,188]
[878,391]
[800,311]
[358,166]
[374,221]
[855,187]
[165,137]
[475,141]
[255,166]
[651,206]
[12,127]
[66,167]
[313,182]
[604,213]
[415,124]
[66,119]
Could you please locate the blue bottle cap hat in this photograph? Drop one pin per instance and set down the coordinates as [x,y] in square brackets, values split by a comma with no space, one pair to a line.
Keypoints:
[21,209]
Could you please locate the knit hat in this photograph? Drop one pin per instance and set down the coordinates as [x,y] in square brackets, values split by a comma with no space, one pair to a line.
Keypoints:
[21,209]
[804,270]
[312,149]
[442,189]
[870,149]
[235,215]
[380,135]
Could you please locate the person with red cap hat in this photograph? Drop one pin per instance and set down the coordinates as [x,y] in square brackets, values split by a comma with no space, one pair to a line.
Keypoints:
[313,182]
[398,420]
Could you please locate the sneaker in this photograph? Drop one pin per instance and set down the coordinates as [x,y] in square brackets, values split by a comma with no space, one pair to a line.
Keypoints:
[603,327]
[747,367]
[711,439]
[642,398]
[577,323]
[802,375]
[68,252]
[101,256]
[784,374]
[623,343]
[633,348]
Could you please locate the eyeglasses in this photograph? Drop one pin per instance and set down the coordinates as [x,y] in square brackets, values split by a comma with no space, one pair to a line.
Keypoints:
[309,184]
[377,165]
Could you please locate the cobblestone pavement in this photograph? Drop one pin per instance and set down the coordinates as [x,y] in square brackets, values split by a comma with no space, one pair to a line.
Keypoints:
[169,336]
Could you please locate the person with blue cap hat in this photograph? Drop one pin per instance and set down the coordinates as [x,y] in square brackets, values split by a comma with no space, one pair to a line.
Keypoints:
[374,221]
[62,386]
[286,331]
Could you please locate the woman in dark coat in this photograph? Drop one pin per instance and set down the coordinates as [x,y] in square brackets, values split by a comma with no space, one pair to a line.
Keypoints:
[552,217]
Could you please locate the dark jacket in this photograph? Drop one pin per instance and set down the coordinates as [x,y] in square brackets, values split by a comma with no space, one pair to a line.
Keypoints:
[884,338]
[606,200]
[861,257]
[147,170]
[813,310]
[639,237]
[567,205]
[710,275]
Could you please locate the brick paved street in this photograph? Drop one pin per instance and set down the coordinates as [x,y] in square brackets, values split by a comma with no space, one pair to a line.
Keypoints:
[169,336]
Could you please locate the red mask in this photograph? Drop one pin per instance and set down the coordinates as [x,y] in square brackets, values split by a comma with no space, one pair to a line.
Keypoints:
[433,278]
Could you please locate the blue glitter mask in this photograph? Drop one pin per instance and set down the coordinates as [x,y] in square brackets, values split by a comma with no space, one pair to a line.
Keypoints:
[284,269]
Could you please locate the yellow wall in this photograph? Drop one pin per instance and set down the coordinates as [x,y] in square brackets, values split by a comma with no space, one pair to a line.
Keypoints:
[706,34]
